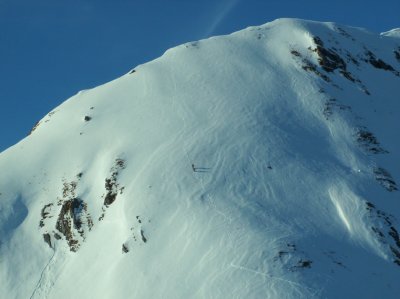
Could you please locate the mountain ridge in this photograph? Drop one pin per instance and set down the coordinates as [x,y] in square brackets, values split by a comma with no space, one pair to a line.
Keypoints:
[257,164]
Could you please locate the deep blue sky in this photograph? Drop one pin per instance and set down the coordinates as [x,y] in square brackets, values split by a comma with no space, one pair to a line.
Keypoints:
[51,49]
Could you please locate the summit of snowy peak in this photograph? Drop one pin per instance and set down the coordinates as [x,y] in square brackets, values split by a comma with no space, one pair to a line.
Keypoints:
[392,33]
[258,164]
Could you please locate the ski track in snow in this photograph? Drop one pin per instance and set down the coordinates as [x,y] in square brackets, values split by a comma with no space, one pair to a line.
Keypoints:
[45,283]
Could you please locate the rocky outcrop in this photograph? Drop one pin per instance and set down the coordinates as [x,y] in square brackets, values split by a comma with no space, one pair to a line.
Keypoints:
[112,186]
[385,179]
[73,220]
[385,231]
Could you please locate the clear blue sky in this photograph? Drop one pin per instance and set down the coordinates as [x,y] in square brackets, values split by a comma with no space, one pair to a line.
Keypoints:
[51,49]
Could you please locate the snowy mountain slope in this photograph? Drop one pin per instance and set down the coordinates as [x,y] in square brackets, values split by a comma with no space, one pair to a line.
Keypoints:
[262,164]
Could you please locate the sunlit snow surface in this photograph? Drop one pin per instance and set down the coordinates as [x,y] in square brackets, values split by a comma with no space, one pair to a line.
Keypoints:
[294,194]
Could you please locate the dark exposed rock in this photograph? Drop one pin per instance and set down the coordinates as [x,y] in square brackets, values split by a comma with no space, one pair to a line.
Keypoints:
[369,141]
[367,137]
[370,206]
[45,213]
[330,60]
[125,248]
[111,195]
[132,71]
[395,235]
[348,76]
[385,217]
[351,59]
[77,207]
[68,190]
[285,252]
[397,54]
[339,264]
[34,127]
[304,264]
[295,53]
[49,115]
[308,66]
[291,246]
[73,218]
[301,264]
[281,253]
[143,237]
[379,63]
[344,33]
[87,118]
[387,234]
[385,179]
[70,220]
[311,67]
[293,258]
[120,163]
[101,216]
[365,90]
[64,223]
[111,185]
[396,253]
[192,45]
[377,232]
[47,239]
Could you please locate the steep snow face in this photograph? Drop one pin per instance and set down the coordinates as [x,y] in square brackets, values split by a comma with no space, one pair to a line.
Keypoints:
[262,164]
